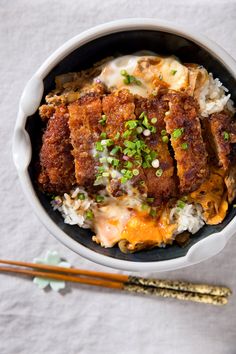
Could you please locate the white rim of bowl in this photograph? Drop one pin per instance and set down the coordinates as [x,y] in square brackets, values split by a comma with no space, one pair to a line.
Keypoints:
[29,103]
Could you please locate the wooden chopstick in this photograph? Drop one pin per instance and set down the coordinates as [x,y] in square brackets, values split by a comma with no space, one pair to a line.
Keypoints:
[156,283]
[146,290]
[63,277]
[47,267]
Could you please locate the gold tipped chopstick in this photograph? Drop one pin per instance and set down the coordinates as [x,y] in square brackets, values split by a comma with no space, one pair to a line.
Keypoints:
[182,286]
[204,293]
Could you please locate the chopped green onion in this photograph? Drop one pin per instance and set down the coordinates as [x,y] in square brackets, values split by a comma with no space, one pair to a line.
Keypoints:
[123,180]
[123,72]
[107,142]
[153,154]
[98,146]
[128,165]
[165,139]
[105,174]
[150,200]
[131,124]
[115,150]
[177,133]
[173,72]
[153,120]
[109,159]
[129,79]
[139,130]
[129,152]
[226,136]
[184,146]
[98,181]
[142,183]
[159,172]
[153,213]
[126,134]
[163,132]
[144,206]
[142,115]
[135,172]
[126,80]
[101,169]
[128,174]
[117,136]
[115,162]
[152,129]
[103,120]
[103,160]
[99,198]
[145,165]
[103,135]
[81,196]
[145,122]
[181,204]
[89,214]
[129,144]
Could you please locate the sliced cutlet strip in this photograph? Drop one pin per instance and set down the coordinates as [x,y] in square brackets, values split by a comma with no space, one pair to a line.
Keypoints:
[222,138]
[219,128]
[118,108]
[85,128]
[183,124]
[163,187]
[56,160]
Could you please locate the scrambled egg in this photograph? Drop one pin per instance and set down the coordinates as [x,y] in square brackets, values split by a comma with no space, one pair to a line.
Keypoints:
[151,71]
[212,197]
[141,228]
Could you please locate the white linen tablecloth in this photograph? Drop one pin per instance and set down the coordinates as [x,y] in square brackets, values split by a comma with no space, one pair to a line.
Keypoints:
[85,320]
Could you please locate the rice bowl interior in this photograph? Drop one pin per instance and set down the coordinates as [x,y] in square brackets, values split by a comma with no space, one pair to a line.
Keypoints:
[212,99]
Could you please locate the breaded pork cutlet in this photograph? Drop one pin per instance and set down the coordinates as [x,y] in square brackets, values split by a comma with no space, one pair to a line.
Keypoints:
[219,130]
[118,108]
[183,124]
[56,160]
[164,186]
[85,114]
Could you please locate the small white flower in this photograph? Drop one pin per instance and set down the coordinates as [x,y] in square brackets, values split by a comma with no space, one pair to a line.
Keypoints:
[51,258]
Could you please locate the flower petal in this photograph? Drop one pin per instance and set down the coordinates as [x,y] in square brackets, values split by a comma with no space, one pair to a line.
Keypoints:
[64,264]
[39,260]
[41,282]
[57,285]
[52,257]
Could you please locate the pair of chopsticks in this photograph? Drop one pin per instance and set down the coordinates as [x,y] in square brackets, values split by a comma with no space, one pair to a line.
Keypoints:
[209,294]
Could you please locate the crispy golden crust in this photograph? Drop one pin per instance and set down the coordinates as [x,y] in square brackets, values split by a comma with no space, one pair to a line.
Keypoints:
[56,162]
[46,112]
[163,187]
[219,128]
[192,166]
[84,132]
[118,108]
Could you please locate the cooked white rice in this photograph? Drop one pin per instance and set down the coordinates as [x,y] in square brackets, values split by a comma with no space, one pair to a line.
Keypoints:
[213,97]
[73,209]
[189,218]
